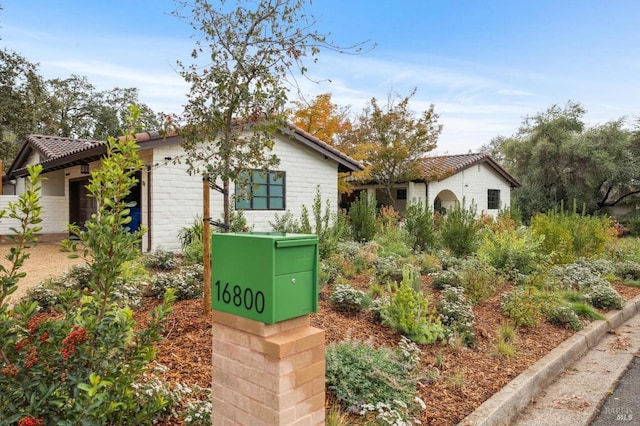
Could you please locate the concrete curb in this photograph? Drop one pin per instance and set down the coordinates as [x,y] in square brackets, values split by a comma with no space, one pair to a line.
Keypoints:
[503,406]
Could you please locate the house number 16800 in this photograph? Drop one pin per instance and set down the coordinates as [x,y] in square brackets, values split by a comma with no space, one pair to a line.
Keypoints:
[239,297]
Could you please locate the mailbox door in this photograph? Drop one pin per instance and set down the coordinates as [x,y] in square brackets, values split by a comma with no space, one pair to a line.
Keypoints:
[294,294]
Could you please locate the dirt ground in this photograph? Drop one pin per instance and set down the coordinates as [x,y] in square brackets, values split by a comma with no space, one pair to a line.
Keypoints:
[46,261]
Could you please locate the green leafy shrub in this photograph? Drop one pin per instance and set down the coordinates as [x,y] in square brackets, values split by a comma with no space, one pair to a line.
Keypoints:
[457,315]
[187,284]
[286,223]
[568,236]
[193,253]
[419,227]
[364,379]
[345,298]
[160,260]
[328,273]
[563,316]
[448,261]
[524,306]
[389,268]
[628,270]
[511,252]
[80,367]
[362,216]
[479,279]
[459,232]
[378,306]
[444,278]
[603,296]
[410,314]
[190,234]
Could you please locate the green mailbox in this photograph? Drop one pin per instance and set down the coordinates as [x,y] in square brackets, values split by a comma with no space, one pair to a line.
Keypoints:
[264,276]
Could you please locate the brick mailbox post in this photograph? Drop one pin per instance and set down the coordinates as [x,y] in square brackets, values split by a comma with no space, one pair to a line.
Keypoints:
[268,361]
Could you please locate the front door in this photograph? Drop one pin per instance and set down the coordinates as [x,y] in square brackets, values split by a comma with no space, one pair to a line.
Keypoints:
[81,205]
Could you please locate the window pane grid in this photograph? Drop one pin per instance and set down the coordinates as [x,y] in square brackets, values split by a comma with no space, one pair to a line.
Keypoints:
[493,199]
[261,190]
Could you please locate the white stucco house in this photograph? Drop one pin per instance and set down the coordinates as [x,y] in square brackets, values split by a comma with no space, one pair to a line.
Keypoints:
[167,197]
[447,180]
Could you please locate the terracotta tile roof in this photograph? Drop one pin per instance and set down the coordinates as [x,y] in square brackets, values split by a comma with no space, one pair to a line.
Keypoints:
[59,152]
[442,167]
[53,147]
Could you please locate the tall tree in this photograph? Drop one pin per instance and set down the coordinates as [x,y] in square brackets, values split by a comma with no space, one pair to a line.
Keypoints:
[326,121]
[243,58]
[22,96]
[321,117]
[77,109]
[559,160]
[390,139]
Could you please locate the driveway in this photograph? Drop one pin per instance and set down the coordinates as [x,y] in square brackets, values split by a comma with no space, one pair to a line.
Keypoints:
[46,261]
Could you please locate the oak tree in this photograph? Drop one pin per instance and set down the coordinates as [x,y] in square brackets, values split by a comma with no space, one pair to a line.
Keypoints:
[559,160]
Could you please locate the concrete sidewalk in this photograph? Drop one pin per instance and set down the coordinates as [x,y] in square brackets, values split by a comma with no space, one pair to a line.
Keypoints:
[567,386]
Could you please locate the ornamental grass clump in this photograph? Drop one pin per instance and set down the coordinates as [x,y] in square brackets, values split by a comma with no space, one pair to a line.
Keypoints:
[410,314]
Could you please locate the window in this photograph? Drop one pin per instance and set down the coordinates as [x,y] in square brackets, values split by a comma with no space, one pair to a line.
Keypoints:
[401,194]
[493,199]
[260,190]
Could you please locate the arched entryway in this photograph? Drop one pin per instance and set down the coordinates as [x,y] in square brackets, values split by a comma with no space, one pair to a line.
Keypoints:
[444,201]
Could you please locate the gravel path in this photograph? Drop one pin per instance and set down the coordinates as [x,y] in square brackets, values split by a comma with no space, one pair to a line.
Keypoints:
[46,261]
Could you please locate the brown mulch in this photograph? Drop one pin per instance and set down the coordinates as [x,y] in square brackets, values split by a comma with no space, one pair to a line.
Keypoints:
[467,376]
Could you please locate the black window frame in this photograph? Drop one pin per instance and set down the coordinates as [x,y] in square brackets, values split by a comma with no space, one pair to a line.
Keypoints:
[259,186]
[493,199]
[401,194]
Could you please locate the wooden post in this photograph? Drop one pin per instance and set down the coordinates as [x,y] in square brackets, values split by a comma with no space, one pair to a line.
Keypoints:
[206,240]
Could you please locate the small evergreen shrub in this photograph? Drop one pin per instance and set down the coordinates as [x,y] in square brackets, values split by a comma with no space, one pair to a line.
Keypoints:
[286,223]
[160,260]
[410,314]
[78,276]
[459,232]
[419,227]
[345,298]
[328,272]
[367,380]
[362,215]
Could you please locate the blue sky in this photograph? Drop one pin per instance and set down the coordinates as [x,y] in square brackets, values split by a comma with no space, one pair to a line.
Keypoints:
[484,64]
